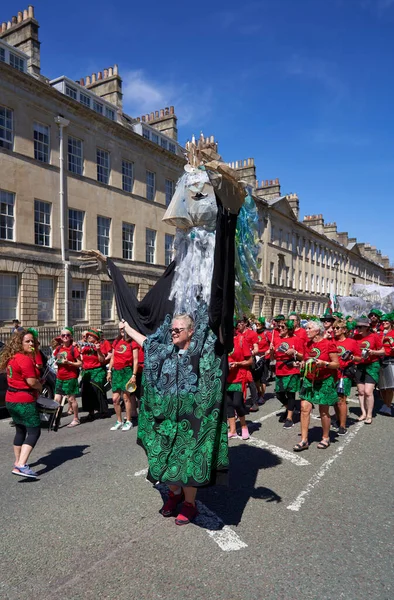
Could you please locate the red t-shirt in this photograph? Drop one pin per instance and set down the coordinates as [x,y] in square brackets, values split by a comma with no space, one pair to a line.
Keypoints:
[89,358]
[388,343]
[240,353]
[140,355]
[281,358]
[123,354]
[105,347]
[263,341]
[70,353]
[19,368]
[343,346]
[250,337]
[301,334]
[372,341]
[320,350]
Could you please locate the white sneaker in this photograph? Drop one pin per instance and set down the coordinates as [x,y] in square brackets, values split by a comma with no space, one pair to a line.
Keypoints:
[118,425]
[385,410]
[127,425]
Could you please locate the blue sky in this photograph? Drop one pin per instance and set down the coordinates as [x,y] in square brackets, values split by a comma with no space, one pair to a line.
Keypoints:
[304,86]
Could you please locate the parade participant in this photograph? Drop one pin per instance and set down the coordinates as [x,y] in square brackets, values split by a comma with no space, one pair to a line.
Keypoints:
[140,369]
[386,376]
[367,374]
[374,317]
[249,337]
[67,356]
[349,353]
[16,326]
[240,361]
[105,347]
[327,319]
[260,374]
[17,359]
[321,361]
[122,371]
[298,330]
[287,351]
[93,377]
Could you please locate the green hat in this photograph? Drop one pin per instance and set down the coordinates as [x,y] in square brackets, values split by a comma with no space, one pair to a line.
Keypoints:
[93,332]
[293,314]
[33,331]
[337,314]
[261,320]
[351,325]
[70,329]
[387,317]
[375,311]
[279,318]
[290,324]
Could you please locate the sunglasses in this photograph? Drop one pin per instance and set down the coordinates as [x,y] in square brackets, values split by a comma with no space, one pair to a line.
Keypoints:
[65,335]
[282,327]
[177,330]
[338,327]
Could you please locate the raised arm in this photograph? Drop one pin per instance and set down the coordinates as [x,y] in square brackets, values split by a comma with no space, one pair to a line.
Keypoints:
[133,333]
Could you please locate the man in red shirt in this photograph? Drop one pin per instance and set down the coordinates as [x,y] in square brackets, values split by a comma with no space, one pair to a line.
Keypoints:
[298,330]
[374,317]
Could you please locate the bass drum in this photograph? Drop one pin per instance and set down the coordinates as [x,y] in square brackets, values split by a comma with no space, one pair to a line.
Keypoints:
[386,375]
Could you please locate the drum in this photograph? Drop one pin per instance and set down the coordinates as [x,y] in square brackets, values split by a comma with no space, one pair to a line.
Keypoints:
[386,375]
[47,408]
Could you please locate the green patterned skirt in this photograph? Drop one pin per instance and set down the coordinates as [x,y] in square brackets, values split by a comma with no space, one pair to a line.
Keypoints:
[347,386]
[319,392]
[120,378]
[24,413]
[287,383]
[67,387]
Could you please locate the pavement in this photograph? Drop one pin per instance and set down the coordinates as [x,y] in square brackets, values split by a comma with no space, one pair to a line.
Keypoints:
[314,525]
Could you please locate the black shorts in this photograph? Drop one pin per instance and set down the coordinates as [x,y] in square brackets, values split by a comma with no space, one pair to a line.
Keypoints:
[363,377]
[260,375]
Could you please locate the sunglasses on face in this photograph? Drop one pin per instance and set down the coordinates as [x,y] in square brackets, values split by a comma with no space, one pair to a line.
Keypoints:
[65,335]
[337,327]
[177,330]
[282,327]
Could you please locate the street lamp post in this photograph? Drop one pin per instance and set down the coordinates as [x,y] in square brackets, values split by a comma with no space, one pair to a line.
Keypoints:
[61,122]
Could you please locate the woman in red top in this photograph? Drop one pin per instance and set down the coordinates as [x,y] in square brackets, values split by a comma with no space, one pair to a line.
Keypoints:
[18,359]
[386,376]
[321,360]
[94,377]
[349,353]
[68,363]
[122,371]
[287,350]
[260,374]
[367,374]
[239,362]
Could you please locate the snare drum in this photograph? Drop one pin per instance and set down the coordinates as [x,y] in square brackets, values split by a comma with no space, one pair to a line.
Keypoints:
[47,409]
[386,375]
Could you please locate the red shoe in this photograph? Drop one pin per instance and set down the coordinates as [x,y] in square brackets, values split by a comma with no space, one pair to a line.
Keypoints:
[186,514]
[169,508]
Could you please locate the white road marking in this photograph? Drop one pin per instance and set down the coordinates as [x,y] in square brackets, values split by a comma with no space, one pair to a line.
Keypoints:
[227,539]
[314,481]
[281,452]
[267,416]
[142,472]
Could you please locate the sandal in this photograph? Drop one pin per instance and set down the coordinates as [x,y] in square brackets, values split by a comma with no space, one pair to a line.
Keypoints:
[323,445]
[74,423]
[362,418]
[368,421]
[301,446]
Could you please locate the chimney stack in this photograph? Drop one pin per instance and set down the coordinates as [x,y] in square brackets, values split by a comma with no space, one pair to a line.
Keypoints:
[164,120]
[107,85]
[22,33]
[294,202]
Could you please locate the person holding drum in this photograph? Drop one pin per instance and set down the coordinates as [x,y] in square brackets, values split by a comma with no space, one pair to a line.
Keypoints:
[386,376]
[122,373]
[18,360]
[68,361]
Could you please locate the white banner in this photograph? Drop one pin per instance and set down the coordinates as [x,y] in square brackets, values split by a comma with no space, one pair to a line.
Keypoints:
[366,297]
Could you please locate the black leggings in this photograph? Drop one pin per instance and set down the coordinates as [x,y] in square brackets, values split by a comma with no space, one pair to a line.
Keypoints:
[26,435]
[287,399]
[235,404]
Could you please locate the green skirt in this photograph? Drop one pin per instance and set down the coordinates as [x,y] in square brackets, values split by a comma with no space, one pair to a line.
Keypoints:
[373,370]
[320,392]
[347,386]
[120,378]
[287,383]
[67,387]
[24,413]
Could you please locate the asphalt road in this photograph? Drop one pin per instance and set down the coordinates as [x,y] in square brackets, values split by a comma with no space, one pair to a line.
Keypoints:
[315,525]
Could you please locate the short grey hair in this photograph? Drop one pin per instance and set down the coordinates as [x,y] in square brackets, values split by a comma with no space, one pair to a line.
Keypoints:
[318,325]
[189,322]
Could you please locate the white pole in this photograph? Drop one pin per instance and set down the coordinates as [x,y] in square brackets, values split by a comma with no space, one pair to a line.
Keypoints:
[62,122]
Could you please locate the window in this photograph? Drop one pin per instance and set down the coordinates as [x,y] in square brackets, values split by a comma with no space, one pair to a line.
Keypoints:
[42,225]
[7,204]
[2,55]
[127,176]
[71,92]
[288,240]
[107,301]
[272,234]
[75,156]
[150,185]
[41,142]
[312,283]
[46,299]
[6,128]
[163,143]
[287,276]
[168,248]
[146,133]
[300,280]
[272,273]
[280,237]
[98,107]
[312,251]
[78,299]
[172,147]
[17,62]
[103,228]
[293,280]
[127,240]
[134,287]
[84,99]
[150,246]
[312,308]
[155,138]
[306,282]
[169,191]
[75,229]
[102,166]
[318,284]
[109,113]
[8,296]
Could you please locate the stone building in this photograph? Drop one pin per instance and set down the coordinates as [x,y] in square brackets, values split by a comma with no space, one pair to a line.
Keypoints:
[302,262]
[76,173]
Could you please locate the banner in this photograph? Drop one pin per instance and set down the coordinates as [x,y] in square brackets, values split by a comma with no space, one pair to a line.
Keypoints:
[366,297]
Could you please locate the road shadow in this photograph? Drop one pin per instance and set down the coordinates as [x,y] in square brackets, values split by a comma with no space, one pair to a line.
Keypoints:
[218,505]
[59,456]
